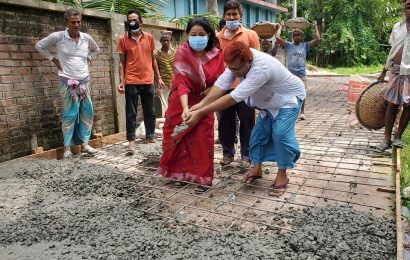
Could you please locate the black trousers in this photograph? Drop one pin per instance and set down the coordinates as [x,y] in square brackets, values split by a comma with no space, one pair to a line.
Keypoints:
[146,94]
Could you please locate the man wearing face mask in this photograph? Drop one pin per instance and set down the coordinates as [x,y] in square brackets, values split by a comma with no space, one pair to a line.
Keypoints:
[235,32]
[137,64]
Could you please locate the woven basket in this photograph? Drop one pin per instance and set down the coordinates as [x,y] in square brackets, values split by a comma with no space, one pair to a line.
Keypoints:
[371,106]
[300,25]
[265,30]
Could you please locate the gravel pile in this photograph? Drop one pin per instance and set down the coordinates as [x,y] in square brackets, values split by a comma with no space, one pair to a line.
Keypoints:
[76,210]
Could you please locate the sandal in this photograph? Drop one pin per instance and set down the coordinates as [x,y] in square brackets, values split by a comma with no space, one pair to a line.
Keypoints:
[180,184]
[278,190]
[397,143]
[129,152]
[226,160]
[200,189]
[249,179]
[381,148]
[302,117]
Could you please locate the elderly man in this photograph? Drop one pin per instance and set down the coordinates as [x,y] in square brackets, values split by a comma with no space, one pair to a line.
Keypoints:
[74,52]
[397,90]
[278,94]
[296,54]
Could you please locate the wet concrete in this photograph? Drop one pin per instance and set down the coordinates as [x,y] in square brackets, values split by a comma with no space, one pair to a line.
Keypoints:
[81,210]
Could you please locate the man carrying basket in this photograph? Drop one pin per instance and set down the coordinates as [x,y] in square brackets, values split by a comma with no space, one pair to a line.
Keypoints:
[397,89]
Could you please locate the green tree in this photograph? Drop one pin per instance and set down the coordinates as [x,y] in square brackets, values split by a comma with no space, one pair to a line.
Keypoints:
[352,31]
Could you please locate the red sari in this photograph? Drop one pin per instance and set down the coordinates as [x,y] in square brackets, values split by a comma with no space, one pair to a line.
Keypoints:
[189,156]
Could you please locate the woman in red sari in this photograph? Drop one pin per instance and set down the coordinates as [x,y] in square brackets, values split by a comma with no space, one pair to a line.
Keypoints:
[188,154]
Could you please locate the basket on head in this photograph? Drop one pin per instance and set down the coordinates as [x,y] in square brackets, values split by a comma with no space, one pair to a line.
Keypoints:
[265,30]
[371,106]
[298,22]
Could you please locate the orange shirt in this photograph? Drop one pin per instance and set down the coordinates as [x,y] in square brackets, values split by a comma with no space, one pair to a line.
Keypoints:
[249,37]
[139,56]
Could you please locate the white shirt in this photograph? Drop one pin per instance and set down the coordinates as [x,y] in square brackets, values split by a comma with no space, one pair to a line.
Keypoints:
[73,56]
[400,37]
[268,85]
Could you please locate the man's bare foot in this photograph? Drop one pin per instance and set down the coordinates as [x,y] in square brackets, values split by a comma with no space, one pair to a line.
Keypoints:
[279,185]
[253,174]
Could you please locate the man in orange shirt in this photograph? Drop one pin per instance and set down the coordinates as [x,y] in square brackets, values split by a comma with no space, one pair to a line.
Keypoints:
[137,62]
[235,32]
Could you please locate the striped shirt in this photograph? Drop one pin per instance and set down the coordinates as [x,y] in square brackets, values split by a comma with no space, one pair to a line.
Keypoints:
[165,62]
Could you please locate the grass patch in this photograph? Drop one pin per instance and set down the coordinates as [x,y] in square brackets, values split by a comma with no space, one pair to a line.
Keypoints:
[405,159]
[355,70]
[405,165]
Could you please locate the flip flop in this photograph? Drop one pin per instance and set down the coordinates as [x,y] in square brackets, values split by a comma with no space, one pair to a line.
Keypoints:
[200,189]
[381,148]
[252,178]
[129,152]
[278,190]
[397,143]
[180,184]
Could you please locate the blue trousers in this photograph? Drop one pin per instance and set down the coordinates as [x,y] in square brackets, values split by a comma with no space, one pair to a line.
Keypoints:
[76,116]
[274,139]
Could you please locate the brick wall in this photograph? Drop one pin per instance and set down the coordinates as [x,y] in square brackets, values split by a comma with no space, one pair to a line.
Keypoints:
[29,97]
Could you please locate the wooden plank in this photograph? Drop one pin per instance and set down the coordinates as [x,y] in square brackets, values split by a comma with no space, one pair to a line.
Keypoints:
[96,143]
[398,209]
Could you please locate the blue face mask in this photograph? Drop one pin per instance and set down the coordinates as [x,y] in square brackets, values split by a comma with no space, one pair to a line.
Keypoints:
[198,43]
[232,25]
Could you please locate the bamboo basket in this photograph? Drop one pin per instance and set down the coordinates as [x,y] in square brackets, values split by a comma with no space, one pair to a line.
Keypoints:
[371,106]
[265,30]
[299,25]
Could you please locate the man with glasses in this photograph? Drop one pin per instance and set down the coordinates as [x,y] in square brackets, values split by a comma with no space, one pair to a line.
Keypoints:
[137,64]
[270,88]
[296,54]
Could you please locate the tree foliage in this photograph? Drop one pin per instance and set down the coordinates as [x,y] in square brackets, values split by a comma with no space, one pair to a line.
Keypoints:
[353,32]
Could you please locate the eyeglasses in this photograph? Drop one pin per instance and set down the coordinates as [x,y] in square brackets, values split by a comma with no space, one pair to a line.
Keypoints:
[237,70]
[133,20]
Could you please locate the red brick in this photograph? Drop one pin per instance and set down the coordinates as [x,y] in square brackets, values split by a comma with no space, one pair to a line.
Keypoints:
[12,117]
[4,55]
[33,63]
[31,78]
[11,63]
[36,56]
[22,86]
[103,68]
[20,56]
[25,100]
[29,48]
[22,70]
[14,109]
[6,87]
[5,71]
[8,47]
[10,79]
[4,39]
[8,102]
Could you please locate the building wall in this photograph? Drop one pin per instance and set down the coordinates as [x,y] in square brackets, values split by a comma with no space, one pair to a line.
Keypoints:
[251,13]
[30,104]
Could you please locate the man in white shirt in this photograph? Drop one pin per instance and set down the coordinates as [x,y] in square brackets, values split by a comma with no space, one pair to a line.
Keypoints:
[397,89]
[74,51]
[278,95]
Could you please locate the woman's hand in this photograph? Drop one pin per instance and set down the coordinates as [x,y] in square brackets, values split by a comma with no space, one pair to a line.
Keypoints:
[196,106]
[185,114]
